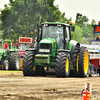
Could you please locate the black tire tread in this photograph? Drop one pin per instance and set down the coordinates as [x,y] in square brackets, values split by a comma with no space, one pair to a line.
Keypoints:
[28,59]
[60,64]
[12,60]
[83,50]
[73,73]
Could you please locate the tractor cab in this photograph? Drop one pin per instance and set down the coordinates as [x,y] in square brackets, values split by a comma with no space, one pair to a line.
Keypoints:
[55,32]
[58,31]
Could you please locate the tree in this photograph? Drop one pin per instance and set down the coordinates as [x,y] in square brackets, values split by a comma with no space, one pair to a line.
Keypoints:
[77,34]
[63,19]
[18,18]
[87,31]
[81,20]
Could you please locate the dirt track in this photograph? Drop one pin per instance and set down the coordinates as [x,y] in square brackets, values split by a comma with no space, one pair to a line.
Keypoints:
[14,86]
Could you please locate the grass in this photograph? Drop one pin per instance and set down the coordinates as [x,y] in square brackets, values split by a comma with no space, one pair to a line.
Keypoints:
[3,71]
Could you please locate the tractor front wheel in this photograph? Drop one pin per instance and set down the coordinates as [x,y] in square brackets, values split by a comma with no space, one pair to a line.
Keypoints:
[28,67]
[62,68]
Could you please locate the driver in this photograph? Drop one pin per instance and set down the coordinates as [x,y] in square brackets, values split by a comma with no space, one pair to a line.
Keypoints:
[55,35]
[53,31]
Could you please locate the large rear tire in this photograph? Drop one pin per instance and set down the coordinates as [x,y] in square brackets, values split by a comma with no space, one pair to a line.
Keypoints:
[83,62]
[14,61]
[74,59]
[62,68]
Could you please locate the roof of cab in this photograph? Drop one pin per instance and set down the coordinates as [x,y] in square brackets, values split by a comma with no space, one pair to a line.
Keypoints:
[54,23]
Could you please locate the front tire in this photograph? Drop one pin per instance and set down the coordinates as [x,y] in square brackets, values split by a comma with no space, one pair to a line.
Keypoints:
[62,68]
[28,68]
[28,59]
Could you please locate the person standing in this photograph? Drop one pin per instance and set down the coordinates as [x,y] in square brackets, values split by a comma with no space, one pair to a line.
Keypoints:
[6,47]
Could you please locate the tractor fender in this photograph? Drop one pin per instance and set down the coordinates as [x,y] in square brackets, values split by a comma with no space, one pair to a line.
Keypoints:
[63,50]
[72,45]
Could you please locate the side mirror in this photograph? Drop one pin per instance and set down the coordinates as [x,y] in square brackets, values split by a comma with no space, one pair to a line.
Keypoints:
[72,28]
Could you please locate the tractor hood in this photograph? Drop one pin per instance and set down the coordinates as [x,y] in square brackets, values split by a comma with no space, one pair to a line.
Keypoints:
[48,40]
[48,46]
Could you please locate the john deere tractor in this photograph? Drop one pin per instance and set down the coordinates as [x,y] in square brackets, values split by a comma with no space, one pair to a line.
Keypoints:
[55,49]
[11,61]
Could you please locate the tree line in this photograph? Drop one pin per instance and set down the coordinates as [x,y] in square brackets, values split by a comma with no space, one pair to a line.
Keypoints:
[18,16]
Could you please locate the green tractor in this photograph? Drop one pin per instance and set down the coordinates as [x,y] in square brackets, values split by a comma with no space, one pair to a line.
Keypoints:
[54,49]
[11,61]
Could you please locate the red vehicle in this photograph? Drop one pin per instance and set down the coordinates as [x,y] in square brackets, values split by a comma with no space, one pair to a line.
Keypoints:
[24,43]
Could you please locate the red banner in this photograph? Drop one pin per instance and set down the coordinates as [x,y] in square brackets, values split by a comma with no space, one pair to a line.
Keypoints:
[25,40]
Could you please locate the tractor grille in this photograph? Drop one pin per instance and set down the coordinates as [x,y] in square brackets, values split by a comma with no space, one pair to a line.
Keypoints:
[46,47]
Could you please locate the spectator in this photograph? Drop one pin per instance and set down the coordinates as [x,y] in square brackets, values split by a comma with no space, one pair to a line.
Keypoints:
[6,47]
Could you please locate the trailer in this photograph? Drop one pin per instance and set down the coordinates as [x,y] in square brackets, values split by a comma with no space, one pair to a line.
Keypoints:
[94,49]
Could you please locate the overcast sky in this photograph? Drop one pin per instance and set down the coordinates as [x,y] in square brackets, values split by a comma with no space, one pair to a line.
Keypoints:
[89,8]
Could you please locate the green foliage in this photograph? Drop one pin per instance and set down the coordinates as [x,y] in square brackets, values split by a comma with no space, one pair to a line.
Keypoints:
[81,20]
[77,34]
[17,18]
[0,26]
[88,31]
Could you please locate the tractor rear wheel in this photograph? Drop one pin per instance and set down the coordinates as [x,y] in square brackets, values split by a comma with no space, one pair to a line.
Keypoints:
[62,68]
[14,61]
[75,57]
[83,62]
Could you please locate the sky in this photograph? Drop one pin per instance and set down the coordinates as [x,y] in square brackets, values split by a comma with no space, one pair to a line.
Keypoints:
[2,2]
[89,8]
